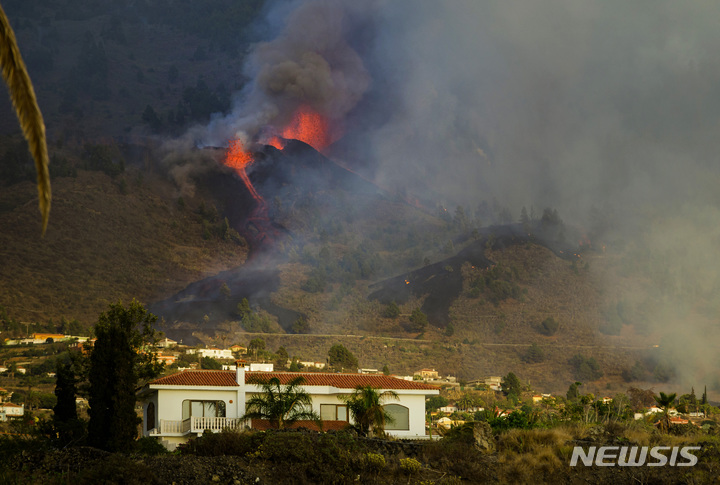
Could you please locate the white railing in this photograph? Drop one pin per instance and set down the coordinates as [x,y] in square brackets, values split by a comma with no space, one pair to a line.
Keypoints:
[169,426]
[195,424]
[216,424]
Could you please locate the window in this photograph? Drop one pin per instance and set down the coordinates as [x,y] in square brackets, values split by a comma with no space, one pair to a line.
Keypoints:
[203,409]
[150,416]
[333,412]
[400,417]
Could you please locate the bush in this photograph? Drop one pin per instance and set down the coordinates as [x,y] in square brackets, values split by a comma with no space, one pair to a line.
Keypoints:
[549,326]
[375,461]
[391,310]
[410,465]
[149,446]
[226,442]
[534,354]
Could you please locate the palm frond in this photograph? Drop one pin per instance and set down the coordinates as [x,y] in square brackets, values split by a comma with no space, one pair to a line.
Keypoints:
[28,112]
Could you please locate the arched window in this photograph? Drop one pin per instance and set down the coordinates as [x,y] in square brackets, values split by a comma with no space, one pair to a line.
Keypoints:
[150,416]
[400,417]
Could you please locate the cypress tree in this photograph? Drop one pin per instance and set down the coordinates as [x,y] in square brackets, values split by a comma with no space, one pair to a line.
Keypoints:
[115,367]
[65,417]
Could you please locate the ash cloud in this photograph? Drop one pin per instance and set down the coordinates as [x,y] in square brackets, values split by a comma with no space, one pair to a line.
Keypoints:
[308,63]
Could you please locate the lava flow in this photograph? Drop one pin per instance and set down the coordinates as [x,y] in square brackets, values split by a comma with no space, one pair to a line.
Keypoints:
[258,223]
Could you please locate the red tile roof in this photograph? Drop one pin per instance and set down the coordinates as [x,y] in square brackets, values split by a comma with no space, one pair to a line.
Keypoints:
[341,381]
[198,378]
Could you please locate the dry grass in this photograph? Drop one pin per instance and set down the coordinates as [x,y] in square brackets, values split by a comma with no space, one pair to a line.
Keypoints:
[101,246]
[532,440]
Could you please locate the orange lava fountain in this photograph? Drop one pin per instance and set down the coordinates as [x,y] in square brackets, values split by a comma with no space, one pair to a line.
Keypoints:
[309,126]
[258,226]
[238,158]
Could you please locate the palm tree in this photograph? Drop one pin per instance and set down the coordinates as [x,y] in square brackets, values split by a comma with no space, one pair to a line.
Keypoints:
[465,402]
[366,409]
[665,401]
[27,110]
[282,405]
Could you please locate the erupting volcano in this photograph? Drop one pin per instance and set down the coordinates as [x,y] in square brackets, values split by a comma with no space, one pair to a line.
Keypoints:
[308,126]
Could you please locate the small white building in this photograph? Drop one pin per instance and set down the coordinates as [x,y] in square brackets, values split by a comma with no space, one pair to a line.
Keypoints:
[11,410]
[182,406]
[368,371]
[167,342]
[254,367]
[448,409]
[213,352]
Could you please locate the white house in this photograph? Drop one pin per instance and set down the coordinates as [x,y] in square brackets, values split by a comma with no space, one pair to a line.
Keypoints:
[215,353]
[11,410]
[254,367]
[182,406]
[167,342]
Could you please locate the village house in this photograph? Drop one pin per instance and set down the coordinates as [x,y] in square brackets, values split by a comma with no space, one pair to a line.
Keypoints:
[238,349]
[309,363]
[427,374]
[494,383]
[254,367]
[182,406]
[11,410]
[447,423]
[167,342]
[212,352]
[368,371]
[166,359]
[42,338]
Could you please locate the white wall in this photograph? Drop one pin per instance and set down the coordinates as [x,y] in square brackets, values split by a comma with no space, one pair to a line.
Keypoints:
[169,401]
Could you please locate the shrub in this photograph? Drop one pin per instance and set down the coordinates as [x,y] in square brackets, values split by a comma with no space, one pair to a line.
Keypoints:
[549,326]
[226,442]
[391,310]
[410,465]
[149,446]
[375,461]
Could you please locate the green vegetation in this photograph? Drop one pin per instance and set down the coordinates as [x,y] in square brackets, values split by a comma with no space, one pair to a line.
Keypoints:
[116,365]
[340,358]
[366,408]
[586,369]
[281,404]
[534,354]
[548,326]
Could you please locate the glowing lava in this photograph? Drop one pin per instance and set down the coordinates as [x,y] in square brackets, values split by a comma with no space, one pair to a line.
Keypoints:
[310,127]
[258,225]
[238,158]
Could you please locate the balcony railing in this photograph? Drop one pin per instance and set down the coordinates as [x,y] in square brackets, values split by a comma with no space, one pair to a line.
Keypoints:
[196,424]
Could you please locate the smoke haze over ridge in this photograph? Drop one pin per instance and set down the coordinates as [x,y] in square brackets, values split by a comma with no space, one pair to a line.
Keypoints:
[607,111]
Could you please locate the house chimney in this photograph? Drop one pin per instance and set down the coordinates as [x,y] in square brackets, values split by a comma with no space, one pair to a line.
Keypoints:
[240,372]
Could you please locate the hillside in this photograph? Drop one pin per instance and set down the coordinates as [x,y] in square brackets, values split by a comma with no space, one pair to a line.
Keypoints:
[108,241]
[131,236]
